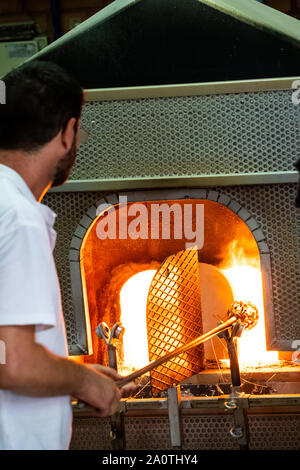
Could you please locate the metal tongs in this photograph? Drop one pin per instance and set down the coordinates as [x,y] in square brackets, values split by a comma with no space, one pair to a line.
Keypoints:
[110,337]
[242,314]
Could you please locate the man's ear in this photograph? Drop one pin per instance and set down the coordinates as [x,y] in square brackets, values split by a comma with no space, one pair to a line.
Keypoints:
[67,135]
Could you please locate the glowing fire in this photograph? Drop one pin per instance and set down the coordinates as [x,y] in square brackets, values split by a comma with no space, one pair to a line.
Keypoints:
[133,300]
[245,278]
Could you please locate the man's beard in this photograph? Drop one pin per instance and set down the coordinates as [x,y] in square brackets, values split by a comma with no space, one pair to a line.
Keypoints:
[64,166]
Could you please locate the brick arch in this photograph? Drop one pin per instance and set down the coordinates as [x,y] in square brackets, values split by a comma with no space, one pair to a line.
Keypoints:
[162,195]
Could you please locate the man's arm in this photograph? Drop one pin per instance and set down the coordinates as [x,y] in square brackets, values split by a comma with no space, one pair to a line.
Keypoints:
[33,370]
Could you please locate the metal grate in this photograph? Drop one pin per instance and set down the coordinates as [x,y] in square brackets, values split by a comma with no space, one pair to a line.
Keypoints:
[174,319]
[69,208]
[195,135]
[151,433]
[201,432]
[205,432]
[91,434]
[208,432]
[281,432]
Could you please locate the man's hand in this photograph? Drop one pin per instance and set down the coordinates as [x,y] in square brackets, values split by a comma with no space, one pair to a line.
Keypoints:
[32,370]
[127,390]
[98,390]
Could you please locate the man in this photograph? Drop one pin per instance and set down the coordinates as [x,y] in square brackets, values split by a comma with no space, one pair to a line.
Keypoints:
[38,142]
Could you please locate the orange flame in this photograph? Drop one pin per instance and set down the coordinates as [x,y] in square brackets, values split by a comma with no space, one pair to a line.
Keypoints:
[133,301]
[244,276]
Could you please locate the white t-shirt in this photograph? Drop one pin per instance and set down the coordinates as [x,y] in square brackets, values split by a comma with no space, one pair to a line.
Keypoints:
[30,295]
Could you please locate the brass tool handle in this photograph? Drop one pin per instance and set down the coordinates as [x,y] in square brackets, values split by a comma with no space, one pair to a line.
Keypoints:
[192,344]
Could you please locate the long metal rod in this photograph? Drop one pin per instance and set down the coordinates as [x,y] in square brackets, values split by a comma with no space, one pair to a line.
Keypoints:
[234,363]
[192,344]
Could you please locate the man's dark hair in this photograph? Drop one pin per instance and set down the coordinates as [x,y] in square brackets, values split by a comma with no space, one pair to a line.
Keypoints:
[41,97]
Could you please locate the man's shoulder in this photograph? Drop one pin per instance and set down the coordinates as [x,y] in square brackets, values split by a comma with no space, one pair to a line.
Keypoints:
[15,210]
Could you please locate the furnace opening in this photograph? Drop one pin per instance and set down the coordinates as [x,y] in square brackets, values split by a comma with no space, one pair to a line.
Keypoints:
[117,269]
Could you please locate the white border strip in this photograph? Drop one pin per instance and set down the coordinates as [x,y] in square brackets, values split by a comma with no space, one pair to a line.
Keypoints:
[178,181]
[190,89]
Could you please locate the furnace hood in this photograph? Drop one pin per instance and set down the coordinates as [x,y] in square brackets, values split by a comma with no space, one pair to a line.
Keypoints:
[156,42]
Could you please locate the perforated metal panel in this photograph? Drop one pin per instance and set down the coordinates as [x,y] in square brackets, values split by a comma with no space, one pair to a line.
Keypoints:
[69,208]
[147,433]
[208,432]
[195,135]
[281,432]
[90,434]
[200,432]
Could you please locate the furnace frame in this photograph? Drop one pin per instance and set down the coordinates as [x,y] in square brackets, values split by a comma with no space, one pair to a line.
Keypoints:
[200,180]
